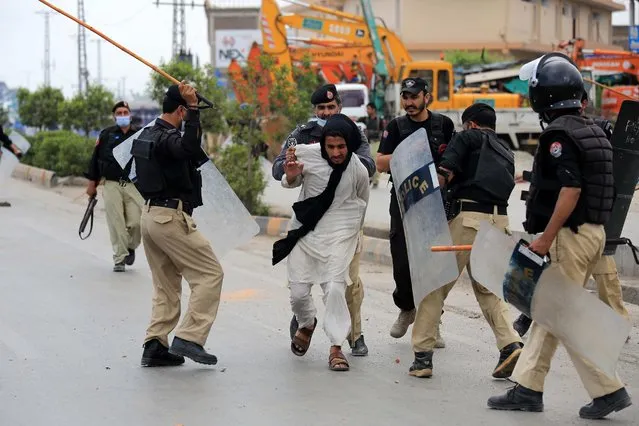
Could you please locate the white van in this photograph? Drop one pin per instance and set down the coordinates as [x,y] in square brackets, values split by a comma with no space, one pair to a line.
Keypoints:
[354,99]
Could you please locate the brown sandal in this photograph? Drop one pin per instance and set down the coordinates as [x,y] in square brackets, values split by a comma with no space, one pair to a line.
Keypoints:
[302,340]
[337,361]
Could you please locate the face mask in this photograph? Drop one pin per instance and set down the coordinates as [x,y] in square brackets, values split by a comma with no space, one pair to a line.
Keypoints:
[123,120]
[320,121]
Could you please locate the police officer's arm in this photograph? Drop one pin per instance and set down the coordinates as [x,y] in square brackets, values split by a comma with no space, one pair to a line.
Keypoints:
[184,147]
[278,165]
[390,139]
[454,158]
[93,172]
[8,143]
[364,154]
[569,176]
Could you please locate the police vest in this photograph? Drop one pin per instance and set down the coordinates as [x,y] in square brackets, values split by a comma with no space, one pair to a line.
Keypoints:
[495,172]
[164,178]
[436,128]
[108,166]
[595,161]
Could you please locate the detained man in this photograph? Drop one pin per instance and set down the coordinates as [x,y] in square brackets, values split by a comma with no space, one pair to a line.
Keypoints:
[324,232]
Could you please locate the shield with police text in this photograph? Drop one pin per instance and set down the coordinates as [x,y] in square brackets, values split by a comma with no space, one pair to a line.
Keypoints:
[537,288]
[625,167]
[222,218]
[424,219]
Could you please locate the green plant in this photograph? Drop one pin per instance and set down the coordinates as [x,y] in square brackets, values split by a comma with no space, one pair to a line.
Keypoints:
[244,174]
[88,111]
[465,58]
[66,153]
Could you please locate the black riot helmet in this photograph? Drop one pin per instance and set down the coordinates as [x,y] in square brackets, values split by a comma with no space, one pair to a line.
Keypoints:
[554,83]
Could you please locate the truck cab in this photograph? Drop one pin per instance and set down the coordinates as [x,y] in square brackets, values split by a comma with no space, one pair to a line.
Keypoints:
[354,99]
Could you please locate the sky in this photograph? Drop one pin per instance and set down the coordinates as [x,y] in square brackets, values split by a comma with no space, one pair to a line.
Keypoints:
[139,25]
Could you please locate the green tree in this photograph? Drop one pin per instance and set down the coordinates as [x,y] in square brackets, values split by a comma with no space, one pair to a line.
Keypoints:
[204,81]
[62,151]
[41,108]
[465,58]
[4,116]
[88,111]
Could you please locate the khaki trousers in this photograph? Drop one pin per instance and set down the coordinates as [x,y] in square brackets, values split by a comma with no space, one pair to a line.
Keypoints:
[123,205]
[355,296]
[175,249]
[608,285]
[576,255]
[463,229]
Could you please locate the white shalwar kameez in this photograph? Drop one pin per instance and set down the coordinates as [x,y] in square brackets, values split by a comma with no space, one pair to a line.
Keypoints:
[324,254]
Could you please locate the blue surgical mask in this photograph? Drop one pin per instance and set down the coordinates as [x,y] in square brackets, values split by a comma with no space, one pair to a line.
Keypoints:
[123,120]
[320,121]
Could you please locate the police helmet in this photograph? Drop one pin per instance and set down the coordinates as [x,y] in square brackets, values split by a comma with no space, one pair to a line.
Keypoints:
[554,83]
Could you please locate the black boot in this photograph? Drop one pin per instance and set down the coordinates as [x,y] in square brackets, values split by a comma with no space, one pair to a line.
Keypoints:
[157,355]
[604,405]
[518,398]
[522,324]
[192,350]
[359,348]
[423,365]
[130,258]
[508,357]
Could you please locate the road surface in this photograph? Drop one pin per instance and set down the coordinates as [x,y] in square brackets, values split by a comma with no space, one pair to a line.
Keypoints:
[71,332]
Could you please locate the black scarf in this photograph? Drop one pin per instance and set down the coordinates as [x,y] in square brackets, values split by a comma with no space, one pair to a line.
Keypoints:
[309,211]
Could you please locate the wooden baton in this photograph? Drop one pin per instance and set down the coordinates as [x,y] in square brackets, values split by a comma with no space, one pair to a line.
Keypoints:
[124,49]
[451,248]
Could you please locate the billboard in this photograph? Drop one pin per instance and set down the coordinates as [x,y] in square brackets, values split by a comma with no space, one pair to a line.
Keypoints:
[234,44]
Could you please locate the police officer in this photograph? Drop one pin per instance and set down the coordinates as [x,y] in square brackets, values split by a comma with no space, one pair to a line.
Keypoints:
[8,144]
[605,273]
[122,201]
[570,199]
[327,102]
[478,172]
[169,180]
[440,130]
[374,128]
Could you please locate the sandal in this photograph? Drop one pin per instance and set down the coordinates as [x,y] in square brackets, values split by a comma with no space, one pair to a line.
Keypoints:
[302,340]
[337,361]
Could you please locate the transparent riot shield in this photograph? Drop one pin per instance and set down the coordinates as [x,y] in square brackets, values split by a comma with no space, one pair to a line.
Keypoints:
[540,290]
[8,160]
[424,219]
[222,218]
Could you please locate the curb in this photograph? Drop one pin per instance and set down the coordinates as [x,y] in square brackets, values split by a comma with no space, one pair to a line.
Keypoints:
[377,250]
[42,177]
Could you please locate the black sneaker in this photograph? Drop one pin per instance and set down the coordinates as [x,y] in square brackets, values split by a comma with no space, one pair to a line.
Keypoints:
[192,350]
[157,355]
[119,267]
[359,348]
[518,398]
[604,405]
[130,258]
[522,324]
[508,357]
[423,365]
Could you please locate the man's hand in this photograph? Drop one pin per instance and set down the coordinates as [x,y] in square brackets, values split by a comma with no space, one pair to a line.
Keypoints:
[91,189]
[541,245]
[17,151]
[188,93]
[290,155]
[293,169]
[519,178]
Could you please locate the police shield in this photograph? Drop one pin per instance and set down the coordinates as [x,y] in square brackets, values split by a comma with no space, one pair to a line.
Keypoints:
[222,218]
[8,160]
[540,290]
[424,219]
[625,144]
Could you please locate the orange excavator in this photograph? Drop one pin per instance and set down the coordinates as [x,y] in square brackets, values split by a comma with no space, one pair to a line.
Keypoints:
[616,71]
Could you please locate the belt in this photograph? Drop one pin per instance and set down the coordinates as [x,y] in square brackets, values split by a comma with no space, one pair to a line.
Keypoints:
[171,203]
[120,181]
[483,208]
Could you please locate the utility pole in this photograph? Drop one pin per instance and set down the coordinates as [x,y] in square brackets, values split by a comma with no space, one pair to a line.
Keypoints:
[47,48]
[179,25]
[99,43]
[83,70]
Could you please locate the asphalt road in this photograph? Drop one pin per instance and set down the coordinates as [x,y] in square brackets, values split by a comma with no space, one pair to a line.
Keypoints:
[71,332]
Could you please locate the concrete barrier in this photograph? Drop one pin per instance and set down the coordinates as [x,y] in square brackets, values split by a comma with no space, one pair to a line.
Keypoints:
[43,177]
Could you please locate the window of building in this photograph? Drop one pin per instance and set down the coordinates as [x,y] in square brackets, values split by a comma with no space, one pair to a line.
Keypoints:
[597,25]
[443,85]
[575,20]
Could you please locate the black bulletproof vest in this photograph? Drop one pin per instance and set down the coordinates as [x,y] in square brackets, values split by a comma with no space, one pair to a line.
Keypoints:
[595,162]
[495,171]
[108,166]
[436,128]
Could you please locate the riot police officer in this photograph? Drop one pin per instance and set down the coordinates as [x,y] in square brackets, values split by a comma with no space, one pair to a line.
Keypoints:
[440,129]
[169,180]
[570,199]
[327,102]
[8,144]
[477,172]
[122,201]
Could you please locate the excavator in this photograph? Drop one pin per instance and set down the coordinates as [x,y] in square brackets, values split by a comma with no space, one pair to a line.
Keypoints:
[382,50]
[616,71]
